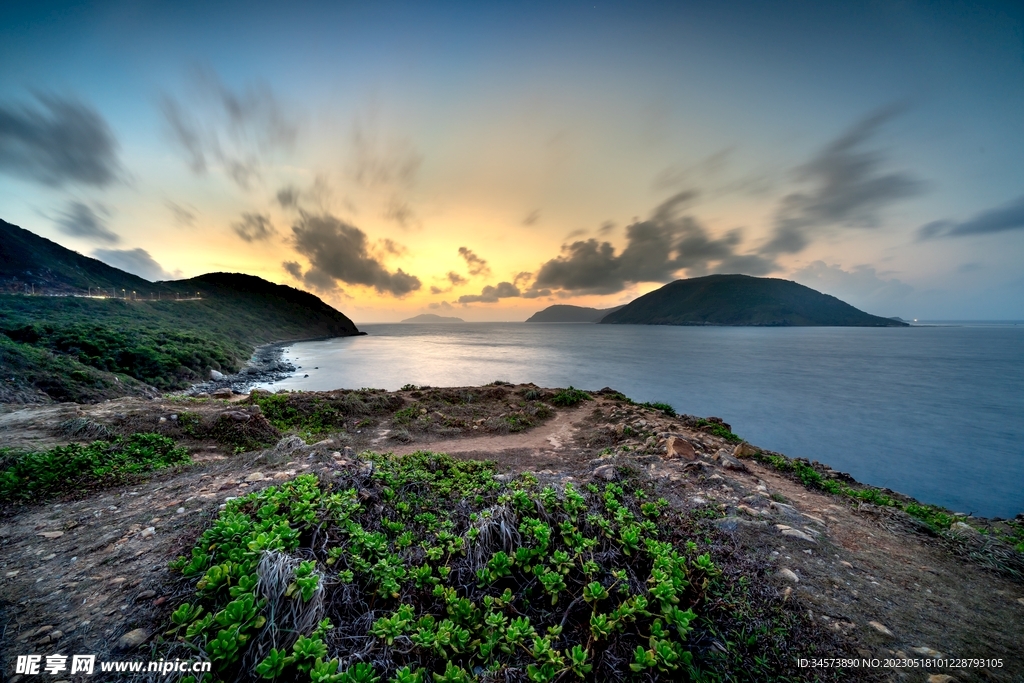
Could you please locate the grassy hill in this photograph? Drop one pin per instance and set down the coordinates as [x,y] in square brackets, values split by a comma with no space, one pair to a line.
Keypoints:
[77,348]
[742,300]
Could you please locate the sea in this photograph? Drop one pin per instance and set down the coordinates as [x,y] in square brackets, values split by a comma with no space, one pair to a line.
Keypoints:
[934,411]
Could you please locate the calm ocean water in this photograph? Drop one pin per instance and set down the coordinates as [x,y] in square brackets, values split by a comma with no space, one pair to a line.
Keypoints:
[933,412]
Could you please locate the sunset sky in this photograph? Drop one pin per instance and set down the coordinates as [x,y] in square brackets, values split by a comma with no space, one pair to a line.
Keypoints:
[485,160]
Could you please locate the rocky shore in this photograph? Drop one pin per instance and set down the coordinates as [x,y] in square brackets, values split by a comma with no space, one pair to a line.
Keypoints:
[266,365]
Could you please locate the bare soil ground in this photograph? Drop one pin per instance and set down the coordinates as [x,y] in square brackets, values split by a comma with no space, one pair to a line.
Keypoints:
[76,575]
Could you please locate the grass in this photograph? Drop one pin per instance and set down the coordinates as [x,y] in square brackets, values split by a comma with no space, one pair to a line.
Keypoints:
[567,398]
[717,429]
[425,568]
[38,474]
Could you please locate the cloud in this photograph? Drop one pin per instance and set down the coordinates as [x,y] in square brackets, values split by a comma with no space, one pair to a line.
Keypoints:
[338,251]
[673,177]
[606,227]
[80,220]
[476,265]
[849,189]
[862,286]
[288,197]
[532,217]
[61,141]
[1009,216]
[456,279]
[378,162]
[655,250]
[182,216]
[489,294]
[237,130]
[254,227]
[137,262]
[443,305]
[399,211]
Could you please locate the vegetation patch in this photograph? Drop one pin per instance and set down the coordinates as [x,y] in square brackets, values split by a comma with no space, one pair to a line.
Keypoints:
[717,428]
[366,579]
[315,414]
[567,398]
[31,475]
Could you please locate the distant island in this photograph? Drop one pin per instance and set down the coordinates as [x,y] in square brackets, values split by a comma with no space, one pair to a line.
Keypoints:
[742,300]
[431,318]
[73,328]
[562,313]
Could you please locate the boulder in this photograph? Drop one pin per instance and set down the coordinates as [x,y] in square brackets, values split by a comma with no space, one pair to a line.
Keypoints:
[744,450]
[216,375]
[731,463]
[607,472]
[223,393]
[676,447]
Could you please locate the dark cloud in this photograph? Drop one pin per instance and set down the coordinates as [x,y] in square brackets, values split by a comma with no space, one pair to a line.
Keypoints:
[476,265]
[580,232]
[1009,216]
[456,279]
[656,249]
[234,129]
[532,217]
[294,269]
[80,220]
[606,228]
[338,251]
[61,141]
[489,294]
[288,197]
[135,261]
[182,216]
[254,227]
[443,305]
[849,188]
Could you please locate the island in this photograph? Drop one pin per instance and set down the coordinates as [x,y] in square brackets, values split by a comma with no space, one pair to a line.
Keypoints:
[563,313]
[742,300]
[431,318]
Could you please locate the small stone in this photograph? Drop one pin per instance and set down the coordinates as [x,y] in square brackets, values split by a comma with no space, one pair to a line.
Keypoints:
[941,678]
[146,595]
[731,463]
[132,639]
[180,511]
[606,472]
[11,575]
[927,652]
[1020,600]
[255,476]
[744,450]
[56,635]
[789,575]
[148,531]
[679,448]
[962,529]
[51,534]
[222,393]
[880,628]
[159,601]
[796,533]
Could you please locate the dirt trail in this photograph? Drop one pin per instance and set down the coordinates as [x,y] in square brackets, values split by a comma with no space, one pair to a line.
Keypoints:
[547,439]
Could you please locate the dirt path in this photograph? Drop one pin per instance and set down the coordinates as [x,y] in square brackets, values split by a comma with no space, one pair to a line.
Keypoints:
[547,439]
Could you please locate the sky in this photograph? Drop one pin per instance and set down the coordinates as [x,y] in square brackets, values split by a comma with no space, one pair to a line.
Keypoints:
[487,160]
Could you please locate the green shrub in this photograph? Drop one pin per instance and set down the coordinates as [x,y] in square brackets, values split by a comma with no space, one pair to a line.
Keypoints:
[570,397]
[717,429]
[28,476]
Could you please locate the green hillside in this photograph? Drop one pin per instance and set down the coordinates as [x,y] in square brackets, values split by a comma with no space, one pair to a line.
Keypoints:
[564,313]
[79,348]
[742,300]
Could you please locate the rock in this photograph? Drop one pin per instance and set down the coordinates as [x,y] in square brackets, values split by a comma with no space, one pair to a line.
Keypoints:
[223,393]
[255,476]
[180,511]
[50,534]
[348,452]
[148,531]
[880,628]
[607,472]
[236,415]
[789,575]
[132,639]
[941,678]
[796,533]
[202,394]
[679,448]
[159,601]
[56,635]
[961,529]
[146,595]
[927,652]
[731,463]
[1020,600]
[216,375]
[288,444]
[744,450]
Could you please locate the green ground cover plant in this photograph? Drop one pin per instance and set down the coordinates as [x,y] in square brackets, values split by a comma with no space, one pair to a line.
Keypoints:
[567,398]
[428,569]
[717,429]
[31,475]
